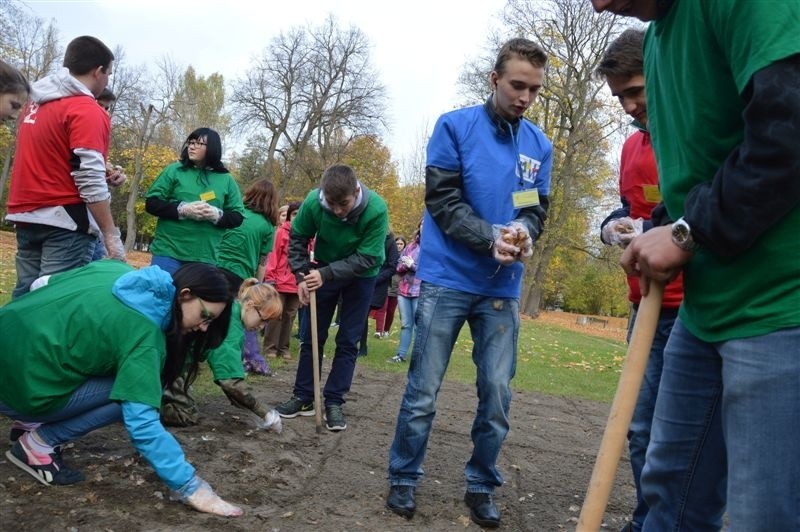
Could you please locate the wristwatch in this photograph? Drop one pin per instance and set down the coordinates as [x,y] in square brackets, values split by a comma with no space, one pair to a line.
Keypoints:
[682,236]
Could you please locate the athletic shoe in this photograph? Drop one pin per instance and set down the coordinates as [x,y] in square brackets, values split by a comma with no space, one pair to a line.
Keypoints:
[385,334]
[295,407]
[18,428]
[50,473]
[334,418]
[397,359]
[15,434]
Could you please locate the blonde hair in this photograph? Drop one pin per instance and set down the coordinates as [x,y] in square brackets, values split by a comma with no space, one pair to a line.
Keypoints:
[264,297]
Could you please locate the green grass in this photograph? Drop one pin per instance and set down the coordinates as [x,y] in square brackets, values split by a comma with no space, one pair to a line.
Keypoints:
[8,277]
[551,360]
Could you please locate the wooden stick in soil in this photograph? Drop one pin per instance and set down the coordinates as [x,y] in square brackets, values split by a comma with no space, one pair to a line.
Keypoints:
[619,418]
[315,356]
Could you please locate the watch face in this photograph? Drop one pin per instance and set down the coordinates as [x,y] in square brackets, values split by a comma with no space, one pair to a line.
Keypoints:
[680,232]
[682,236]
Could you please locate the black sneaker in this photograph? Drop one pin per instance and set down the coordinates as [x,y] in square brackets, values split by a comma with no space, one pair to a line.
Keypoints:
[295,407]
[334,418]
[15,434]
[54,473]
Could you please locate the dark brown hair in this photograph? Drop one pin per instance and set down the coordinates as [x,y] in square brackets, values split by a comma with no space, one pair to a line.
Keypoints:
[624,56]
[11,80]
[261,197]
[86,53]
[338,182]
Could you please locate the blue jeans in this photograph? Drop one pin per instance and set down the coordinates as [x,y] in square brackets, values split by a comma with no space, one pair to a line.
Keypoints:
[99,252]
[45,250]
[88,409]
[727,414]
[639,430]
[408,309]
[356,295]
[168,264]
[494,324]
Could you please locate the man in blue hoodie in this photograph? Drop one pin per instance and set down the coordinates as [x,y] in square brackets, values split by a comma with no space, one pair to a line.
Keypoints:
[487,186]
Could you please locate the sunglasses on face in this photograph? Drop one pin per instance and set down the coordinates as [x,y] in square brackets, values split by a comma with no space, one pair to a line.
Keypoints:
[206,314]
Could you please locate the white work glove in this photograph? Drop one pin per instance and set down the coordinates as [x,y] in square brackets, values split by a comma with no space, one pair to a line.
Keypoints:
[205,500]
[194,210]
[518,232]
[621,231]
[115,175]
[271,421]
[114,247]
[511,242]
[213,214]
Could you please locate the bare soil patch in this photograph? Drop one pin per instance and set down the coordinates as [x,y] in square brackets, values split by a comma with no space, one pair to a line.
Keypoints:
[299,480]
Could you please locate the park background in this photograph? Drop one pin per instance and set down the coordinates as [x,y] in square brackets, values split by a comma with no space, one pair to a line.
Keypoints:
[314,93]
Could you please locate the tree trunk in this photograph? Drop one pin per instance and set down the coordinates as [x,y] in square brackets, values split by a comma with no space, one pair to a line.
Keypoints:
[6,168]
[133,194]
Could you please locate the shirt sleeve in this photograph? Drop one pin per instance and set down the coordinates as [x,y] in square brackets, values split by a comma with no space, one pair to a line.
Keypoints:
[160,448]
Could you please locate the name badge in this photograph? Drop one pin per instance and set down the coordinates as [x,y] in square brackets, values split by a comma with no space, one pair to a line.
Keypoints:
[208,196]
[651,193]
[525,198]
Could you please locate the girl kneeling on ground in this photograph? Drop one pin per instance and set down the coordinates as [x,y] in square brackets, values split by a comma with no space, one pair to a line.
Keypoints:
[96,345]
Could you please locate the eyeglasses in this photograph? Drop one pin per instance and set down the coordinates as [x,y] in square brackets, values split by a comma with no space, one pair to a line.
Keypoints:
[206,314]
[196,143]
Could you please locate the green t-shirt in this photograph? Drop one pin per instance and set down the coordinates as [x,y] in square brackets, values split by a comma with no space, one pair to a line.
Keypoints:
[242,246]
[53,339]
[191,240]
[698,60]
[336,239]
[226,360]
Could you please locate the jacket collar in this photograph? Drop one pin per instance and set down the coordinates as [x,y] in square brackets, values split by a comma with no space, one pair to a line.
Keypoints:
[361,204]
[502,126]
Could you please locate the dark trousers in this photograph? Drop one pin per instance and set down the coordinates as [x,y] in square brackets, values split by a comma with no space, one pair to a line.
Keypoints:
[356,295]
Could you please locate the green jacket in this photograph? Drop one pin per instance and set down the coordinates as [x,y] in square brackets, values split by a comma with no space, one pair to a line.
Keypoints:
[343,248]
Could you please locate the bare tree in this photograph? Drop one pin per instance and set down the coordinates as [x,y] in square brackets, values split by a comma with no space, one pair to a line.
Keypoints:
[30,44]
[312,91]
[412,165]
[142,114]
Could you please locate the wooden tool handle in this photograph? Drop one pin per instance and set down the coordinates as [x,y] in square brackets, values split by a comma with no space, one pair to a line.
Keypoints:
[619,418]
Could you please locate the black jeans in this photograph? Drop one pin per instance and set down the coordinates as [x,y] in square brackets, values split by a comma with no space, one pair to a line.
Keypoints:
[356,295]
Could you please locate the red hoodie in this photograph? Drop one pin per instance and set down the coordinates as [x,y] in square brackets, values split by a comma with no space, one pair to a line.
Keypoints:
[278,270]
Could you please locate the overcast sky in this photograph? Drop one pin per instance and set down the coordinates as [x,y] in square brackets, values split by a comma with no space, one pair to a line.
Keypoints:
[419,46]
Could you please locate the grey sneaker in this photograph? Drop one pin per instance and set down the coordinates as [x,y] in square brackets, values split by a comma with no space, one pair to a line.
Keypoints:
[334,418]
[295,407]
[397,359]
